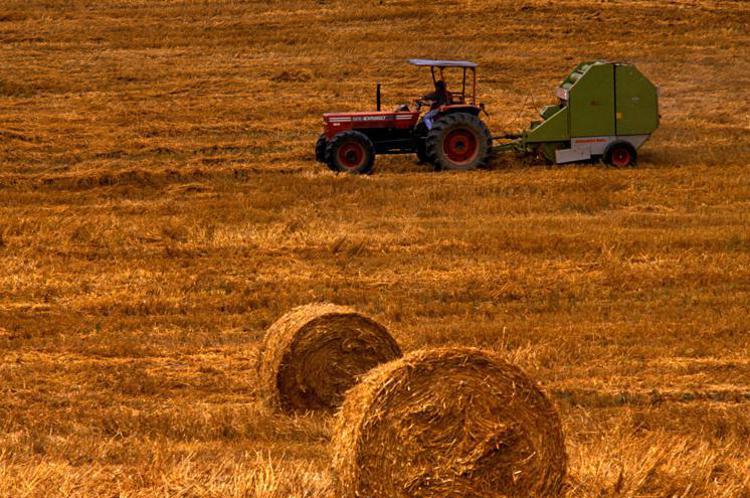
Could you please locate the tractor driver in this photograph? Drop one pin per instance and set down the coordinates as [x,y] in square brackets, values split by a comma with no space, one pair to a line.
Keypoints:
[440,97]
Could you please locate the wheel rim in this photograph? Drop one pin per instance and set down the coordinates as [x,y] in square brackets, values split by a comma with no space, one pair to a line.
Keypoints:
[461,146]
[351,155]
[621,156]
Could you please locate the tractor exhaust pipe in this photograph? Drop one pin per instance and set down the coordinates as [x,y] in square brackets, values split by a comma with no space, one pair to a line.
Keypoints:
[377,96]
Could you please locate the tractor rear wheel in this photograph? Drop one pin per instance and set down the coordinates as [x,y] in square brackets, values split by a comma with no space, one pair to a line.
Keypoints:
[420,135]
[422,152]
[458,141]
[620,154]
[320,149]
[351,152]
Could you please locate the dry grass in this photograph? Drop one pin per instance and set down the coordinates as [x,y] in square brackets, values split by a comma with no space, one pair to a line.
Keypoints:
[159,209]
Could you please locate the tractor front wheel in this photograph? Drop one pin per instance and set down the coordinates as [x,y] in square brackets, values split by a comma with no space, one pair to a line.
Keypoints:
[458,141]
[350,152]
[620,155]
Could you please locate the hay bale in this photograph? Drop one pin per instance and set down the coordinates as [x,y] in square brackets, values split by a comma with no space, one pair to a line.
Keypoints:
[312,355]
[453,422]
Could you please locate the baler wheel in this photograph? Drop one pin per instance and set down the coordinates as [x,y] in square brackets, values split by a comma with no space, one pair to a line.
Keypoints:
[458,141]
[620,155]
[351,152]
[320,149]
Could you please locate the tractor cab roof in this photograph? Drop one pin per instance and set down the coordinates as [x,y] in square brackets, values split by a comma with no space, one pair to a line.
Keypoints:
[439,63]
[466,66]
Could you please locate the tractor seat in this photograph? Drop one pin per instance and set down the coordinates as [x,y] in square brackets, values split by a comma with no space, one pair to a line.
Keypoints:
[456,98]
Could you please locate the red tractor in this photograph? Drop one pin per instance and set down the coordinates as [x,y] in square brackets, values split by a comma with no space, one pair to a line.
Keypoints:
[450,135]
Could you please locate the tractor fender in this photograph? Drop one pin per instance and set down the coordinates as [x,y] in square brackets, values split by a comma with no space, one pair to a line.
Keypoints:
[453,108]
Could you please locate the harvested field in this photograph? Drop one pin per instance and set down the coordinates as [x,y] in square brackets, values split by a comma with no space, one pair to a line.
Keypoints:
[160,208]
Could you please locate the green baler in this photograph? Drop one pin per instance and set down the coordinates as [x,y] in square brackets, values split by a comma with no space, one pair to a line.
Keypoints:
[605,110]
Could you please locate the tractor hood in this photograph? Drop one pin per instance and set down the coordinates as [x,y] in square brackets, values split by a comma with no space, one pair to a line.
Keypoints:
[336,122]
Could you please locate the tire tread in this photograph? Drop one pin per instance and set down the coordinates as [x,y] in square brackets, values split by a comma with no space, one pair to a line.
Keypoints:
[434,140]
[335,142]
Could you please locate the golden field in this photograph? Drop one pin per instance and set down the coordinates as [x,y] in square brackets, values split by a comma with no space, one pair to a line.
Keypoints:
[159,208]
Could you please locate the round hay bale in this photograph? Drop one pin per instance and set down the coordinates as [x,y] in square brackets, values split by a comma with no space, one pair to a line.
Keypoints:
[312,355]
[453,422]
